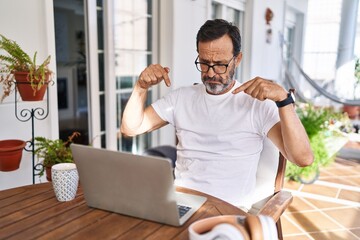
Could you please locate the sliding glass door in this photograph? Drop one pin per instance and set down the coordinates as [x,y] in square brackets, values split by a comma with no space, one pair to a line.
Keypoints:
[120,46]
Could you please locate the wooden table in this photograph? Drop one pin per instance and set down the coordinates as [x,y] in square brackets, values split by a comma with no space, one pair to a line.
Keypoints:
[32,212]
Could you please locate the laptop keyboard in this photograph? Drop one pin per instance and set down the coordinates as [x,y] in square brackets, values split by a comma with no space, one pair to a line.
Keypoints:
[183,210]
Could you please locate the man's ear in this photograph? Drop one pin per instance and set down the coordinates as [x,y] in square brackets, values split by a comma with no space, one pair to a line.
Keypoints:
[238,59]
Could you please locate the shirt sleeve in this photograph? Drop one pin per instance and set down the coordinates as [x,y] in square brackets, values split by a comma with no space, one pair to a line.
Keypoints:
[268,116]
[165,106]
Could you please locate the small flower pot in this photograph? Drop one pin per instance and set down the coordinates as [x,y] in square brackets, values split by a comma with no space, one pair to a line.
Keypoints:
[11,154]
[352,111]
[27,93]
[309,178]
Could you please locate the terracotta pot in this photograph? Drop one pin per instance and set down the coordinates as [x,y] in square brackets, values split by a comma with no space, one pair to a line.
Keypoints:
[25,89]
[352,111]
[10,154]
[48,173]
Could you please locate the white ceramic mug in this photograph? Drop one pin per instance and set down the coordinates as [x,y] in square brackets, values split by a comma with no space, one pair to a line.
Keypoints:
[65,180]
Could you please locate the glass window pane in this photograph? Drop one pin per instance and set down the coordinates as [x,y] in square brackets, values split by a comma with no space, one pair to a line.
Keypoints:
[215,10]
[120,103]
[141,6]
[288,46]
[125,5]
[102,112]
[101,72]
[103,140]
[128,66]
[149,7]
[100,29]
[124,65]
[132,25]
[141,62]
[133,46]
[140,33]
[125,82]
[123,30]
[233,16]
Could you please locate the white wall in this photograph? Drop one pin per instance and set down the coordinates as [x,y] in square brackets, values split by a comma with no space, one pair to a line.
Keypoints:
[265,58]
[301,6]
[30,23]
[189,16]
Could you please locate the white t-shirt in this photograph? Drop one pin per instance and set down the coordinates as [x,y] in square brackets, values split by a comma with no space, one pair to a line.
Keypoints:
[220,140]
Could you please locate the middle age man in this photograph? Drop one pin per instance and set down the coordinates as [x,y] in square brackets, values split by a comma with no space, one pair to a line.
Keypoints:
[220,124]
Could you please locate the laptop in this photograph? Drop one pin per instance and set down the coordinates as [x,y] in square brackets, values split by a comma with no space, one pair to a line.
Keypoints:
[133,185]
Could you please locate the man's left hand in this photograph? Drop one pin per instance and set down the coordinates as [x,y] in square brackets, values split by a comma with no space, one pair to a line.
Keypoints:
[262,89]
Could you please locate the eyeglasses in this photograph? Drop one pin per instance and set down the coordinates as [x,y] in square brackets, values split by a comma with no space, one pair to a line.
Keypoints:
[219,68]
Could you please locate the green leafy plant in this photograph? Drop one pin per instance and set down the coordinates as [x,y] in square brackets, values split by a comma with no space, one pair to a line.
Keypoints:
[313,118]
[17,60]
[320,123]
[357,75]
[321,158]
[357,70]
[54,151]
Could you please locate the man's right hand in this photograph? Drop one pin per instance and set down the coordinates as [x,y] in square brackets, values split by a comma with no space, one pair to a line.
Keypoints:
[152,75]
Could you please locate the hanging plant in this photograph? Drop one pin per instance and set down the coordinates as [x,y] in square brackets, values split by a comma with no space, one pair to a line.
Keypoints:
[17,65]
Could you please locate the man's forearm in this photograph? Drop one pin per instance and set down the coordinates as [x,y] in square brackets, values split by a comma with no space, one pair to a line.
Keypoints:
[134,112]
[296,142]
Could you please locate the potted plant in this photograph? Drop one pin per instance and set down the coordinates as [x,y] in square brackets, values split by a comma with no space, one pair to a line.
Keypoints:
[31,79]
[50,152]
[325,128]
[11,154]
[354,111]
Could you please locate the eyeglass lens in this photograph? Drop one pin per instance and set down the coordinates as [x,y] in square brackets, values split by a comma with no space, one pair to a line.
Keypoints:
[217,68]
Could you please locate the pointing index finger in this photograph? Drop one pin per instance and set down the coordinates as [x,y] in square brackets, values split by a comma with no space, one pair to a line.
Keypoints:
[242,87]
[166,76]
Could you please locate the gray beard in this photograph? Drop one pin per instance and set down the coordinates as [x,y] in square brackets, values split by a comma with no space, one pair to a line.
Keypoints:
[220,87]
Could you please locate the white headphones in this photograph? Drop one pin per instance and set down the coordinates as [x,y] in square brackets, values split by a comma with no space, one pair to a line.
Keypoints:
[230,227]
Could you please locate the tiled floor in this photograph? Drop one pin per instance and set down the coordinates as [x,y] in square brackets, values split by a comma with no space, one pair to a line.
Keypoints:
[328,208]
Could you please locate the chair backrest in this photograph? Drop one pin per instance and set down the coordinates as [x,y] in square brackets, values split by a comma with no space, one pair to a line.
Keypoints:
[165,151]
[269,175]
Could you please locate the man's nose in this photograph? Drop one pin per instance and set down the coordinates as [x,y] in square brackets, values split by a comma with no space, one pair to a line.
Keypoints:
[211,72]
